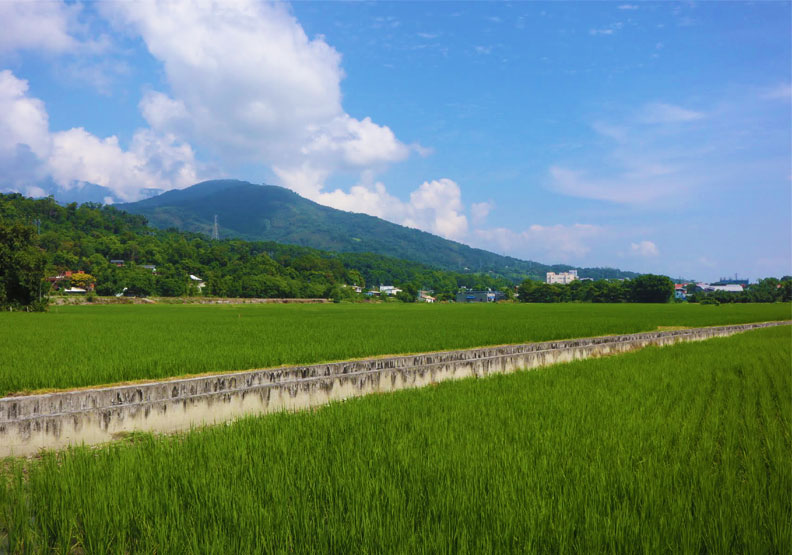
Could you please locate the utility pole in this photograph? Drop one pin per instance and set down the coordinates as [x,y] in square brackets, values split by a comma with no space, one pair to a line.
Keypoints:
[215,230]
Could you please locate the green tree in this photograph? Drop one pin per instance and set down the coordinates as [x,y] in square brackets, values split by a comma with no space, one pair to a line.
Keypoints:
[82,280]
[525,291]
[651,288]
[22,266]
[138,281]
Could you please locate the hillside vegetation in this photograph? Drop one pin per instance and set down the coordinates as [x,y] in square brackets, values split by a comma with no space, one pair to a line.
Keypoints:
[89,236]
[269,213]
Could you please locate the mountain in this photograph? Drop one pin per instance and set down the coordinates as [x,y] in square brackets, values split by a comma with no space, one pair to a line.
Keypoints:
[270,213]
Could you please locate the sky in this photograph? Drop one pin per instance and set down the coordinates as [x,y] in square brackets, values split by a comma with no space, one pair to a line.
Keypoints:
[653,137]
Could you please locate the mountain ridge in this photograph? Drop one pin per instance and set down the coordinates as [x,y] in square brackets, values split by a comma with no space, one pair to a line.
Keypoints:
[271,213]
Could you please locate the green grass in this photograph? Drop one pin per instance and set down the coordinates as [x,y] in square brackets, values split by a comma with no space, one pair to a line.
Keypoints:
[678,449]
[89,345]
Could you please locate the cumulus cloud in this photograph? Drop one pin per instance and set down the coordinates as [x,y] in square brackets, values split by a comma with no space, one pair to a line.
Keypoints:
[30,152]
[268,94]
[25,120]
[152,161]
[435,206]
[37,26]
[644,248]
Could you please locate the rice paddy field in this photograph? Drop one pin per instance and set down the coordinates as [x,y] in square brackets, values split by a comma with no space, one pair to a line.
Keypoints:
[77,346]
[676,449]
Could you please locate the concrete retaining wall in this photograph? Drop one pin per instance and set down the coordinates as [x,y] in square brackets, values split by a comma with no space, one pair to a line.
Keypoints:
[92,416]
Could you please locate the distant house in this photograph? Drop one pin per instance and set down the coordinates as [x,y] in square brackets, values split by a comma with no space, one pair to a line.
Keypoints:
[425,297]
[470,296]
[58,280]
[61,279]
[729,288]
[118,263]
[151,267]
[680,291]
[389,290]
[562,278]
[75,291]
[355,288]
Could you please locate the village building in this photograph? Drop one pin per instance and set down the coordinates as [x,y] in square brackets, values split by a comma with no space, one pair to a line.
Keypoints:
[471,296]
[389,290]
[563,278]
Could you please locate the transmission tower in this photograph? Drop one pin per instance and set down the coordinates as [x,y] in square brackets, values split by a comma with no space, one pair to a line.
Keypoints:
[215,230]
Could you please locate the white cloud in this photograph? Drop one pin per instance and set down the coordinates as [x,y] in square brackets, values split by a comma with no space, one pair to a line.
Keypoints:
[627,187]
[435,206]
[269,93]
[101,75]
[628,7]
[480,210]
[36,26]
[780,92]
[659,112]
[438,203]
[24,135]
[609,30]
[24,119]
[30,152]
[152,161]
[46,26]
[644,248]
[554,242]
[650,158]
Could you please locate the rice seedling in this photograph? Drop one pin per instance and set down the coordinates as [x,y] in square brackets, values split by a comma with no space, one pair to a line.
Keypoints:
[80,346]
[676,449]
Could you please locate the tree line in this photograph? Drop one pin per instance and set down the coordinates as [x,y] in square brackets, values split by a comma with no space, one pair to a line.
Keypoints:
[647,288]
[42,238]
[768,290]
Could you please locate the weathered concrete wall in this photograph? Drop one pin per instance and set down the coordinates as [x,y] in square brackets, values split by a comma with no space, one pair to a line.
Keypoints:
[92,416]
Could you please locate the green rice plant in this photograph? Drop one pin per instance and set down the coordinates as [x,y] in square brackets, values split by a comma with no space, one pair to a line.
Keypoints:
[79,346]
[675,449]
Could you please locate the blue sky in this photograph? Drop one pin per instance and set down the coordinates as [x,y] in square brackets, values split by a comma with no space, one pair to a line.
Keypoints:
[648,136]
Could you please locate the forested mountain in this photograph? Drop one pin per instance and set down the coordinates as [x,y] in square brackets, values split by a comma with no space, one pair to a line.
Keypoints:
[269,213]
[87,237]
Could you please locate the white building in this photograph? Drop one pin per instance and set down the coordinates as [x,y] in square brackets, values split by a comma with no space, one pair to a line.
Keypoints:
[389,289]
[562,278]
[729,287]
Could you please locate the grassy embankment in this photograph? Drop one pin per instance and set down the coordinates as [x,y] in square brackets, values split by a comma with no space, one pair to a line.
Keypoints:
[92,345]
[680,449]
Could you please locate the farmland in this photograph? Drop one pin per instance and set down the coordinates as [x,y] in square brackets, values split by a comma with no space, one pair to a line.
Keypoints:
[76,346]
[680,449]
